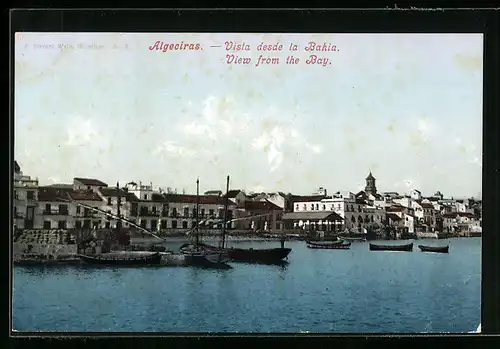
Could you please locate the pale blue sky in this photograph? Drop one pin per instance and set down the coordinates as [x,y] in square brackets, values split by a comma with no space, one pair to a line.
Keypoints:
[408,107]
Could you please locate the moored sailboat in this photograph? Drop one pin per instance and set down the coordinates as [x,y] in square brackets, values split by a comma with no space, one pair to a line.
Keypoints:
[248,255]
[202,257]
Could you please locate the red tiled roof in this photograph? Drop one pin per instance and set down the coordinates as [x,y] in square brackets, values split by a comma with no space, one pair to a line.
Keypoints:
[132,197]
[394,216]
[192,199]
[249,205]
[91,182]
[426,205]
[395,208]
[300,198]
[52,194]
[232,193]
[84,195]
[113,192]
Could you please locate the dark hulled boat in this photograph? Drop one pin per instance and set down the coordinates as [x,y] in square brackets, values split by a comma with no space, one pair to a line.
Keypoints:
[123,259]
[250,255]
[329,246]
[403,248]
[437,249]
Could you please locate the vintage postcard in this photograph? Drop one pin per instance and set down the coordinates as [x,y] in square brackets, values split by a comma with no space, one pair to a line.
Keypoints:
[233,183]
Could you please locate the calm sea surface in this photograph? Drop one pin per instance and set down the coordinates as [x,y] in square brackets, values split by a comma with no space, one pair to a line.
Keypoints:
[318,291]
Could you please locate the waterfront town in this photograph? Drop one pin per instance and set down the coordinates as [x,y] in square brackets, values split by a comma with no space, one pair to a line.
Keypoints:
[386,215]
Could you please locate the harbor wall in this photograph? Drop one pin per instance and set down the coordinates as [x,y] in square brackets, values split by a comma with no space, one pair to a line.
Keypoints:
[44,249]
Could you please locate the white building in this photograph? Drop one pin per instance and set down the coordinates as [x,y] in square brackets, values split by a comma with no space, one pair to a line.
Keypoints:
[357,215]
[279,199]
[88,184]
[416,195]
[25,198]
[236,196]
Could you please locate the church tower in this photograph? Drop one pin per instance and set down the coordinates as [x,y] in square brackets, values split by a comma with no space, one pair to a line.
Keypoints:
[370,188]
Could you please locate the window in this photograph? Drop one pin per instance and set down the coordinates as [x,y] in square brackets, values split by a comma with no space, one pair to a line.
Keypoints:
[30,195]
[108,225]
[15,211]
[194,212]
[202,211]
[184,224]
[145,196]
[109,201]
[324,207]
[297,207]
[312,207]
[88,187]
[61,225]
[47,208]
[63,209]
[143,223]
[163,224]
[317,207]
[353,219]
[46,225]
[278,225]
[193,224]
[15,195]
[78,209]
[174,212]
[174,224]
[304,206]
[186,211]
[78,224]
[153,209]
[154,225]
[211,212]
[96,224]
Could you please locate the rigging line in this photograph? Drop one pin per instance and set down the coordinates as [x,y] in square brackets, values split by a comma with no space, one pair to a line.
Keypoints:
[113,216]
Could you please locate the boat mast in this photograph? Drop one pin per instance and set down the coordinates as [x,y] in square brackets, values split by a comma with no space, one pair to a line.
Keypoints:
[197,209]
[225,214]
[118,204]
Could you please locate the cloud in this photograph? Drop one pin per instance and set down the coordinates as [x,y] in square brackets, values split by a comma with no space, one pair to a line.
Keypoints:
[195,129]
[314,148]
[80,132]
[222,126]
[54,179]
[170,148]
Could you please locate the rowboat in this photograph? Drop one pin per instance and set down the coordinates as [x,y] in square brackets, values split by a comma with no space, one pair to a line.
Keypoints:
[123,259]
[329,246]
[403,248]
[352,239]
[437,249]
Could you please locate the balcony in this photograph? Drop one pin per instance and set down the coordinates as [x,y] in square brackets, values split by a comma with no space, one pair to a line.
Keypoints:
[86,215]
[149,214]
[56,212]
